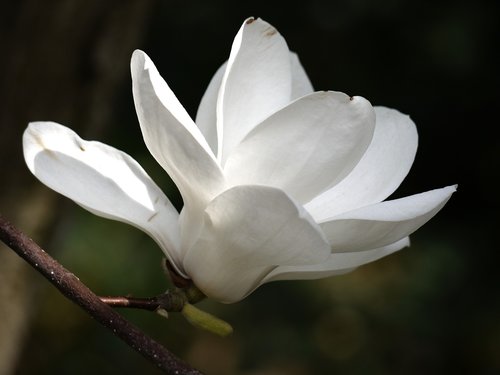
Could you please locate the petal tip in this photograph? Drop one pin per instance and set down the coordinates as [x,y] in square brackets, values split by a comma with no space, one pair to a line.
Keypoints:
[449,190]
[34,133]
[36,127]
[139,61]
[138,55]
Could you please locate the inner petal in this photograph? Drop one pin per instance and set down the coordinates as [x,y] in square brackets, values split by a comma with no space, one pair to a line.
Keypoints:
[256,83]
[306,147]
[380,171]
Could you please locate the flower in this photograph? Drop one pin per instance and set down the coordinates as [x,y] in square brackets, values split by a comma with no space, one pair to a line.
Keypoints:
[278,182]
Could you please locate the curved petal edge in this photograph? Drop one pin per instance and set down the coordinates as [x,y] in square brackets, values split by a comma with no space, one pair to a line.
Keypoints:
[103,180]
[384,223]
[247,231]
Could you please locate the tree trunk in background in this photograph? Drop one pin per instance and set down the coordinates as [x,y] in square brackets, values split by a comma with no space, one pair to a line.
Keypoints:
[62,61]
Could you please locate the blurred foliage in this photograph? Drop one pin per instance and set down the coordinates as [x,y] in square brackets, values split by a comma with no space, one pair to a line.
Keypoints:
[432,308]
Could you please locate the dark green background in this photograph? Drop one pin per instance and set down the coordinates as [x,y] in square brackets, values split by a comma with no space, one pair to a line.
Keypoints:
[431,309]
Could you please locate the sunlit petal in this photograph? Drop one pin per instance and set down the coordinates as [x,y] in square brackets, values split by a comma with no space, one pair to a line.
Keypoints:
[248,230]
[384,223]
[105,181]
[380,171]
[305,147]
[256,83]
[171,136]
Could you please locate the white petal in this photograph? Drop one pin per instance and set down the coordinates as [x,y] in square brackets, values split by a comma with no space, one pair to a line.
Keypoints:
[171,136]
[383,223]
[102,179]
[301,85]
[248,230]
[305,147]
[257,82]
[206,117]
[337,264]
[380,171]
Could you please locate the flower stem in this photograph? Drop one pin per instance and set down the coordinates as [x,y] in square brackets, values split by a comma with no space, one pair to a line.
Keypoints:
[176,300]
[172,300]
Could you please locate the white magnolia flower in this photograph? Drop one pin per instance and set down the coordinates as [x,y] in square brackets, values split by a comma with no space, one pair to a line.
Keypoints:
[278,182]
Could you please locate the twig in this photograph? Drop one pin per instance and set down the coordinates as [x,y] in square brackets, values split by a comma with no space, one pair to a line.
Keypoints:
[150,304]
[173,300]
[69,285]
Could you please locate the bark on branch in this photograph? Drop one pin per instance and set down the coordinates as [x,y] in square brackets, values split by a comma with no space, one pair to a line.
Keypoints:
[70,286]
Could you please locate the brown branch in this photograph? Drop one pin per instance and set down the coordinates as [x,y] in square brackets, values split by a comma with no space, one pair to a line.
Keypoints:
[70,286]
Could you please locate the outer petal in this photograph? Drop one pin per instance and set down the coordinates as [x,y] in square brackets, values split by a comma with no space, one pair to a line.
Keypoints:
[380,171]
[306,147]
[206,117]
[337,264]
[103,180]
[384,223]
[301,85]
[257,82]
[248,230]
[171,136]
